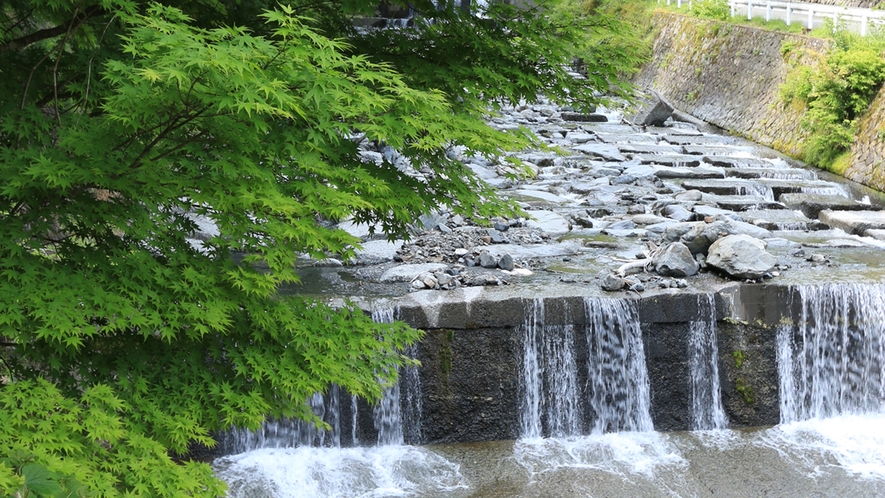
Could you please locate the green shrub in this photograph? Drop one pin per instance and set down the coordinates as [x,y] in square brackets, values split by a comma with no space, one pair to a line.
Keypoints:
[836,92]
[712,9]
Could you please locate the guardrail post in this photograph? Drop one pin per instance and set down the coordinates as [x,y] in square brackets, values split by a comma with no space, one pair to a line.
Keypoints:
[767,11]
[732,7]
[749,10]
[678,4]
[810,18]
[789,12]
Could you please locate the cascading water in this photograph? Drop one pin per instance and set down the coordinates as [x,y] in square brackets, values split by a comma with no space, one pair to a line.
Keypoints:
[289,433]
[618,377]
[833,362]
[293,458]
[757,189]
[387,414]
[831,366]
[549,377]
[617,381]
[703,358]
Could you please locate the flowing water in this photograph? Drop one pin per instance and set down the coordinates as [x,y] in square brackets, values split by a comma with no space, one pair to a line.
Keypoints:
[831,441]
[703,366]
[616,397]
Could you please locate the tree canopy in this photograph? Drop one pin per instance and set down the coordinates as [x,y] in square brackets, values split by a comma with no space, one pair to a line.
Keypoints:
[124,123]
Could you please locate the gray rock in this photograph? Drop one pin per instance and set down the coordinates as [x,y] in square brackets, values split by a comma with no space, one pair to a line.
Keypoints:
[689,195]
[741,256]
[405,273]
[701,235]
[432,220]
[622,225]
[677,212]
[652,110]
[496,236]
[506,262]
[675,261]
[486,260]
[647,219]
[443,279]
[613,283]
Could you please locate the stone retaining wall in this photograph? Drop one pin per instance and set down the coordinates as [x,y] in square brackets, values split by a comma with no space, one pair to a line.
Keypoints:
[730,76]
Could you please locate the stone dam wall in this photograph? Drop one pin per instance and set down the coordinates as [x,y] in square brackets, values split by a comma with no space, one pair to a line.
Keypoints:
[730,76]
[473,351]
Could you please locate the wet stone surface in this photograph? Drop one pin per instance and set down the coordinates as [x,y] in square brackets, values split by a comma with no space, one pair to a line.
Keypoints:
[609,204]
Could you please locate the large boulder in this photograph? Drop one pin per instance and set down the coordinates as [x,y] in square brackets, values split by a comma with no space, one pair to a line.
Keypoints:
[675,261]
[741,256]
[699,236]
[651,110]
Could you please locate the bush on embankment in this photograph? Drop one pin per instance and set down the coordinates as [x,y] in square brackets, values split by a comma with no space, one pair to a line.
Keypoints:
[836,93]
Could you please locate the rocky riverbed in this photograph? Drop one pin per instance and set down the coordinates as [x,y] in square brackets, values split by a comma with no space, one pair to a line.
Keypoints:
[623,208]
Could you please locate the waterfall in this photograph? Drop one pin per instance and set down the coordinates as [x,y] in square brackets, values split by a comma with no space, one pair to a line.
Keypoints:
[549,377]
[756,189]
[290,433]
[703,366]
[617,387]
[833,361]
[387,416]
[618,377]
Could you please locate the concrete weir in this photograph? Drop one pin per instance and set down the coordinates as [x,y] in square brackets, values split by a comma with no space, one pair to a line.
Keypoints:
[473,355]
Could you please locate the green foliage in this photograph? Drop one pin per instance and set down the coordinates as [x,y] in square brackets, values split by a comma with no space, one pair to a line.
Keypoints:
[62,447]
[712,9]
[836,92]
[121,123]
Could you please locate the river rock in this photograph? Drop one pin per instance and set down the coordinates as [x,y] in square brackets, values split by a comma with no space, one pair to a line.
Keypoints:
[689,195]
[701,235]
[675,261]
[741,256]
[677,212]
[652,110]
[486,260]
[613,283]
[506,262]
[405,273]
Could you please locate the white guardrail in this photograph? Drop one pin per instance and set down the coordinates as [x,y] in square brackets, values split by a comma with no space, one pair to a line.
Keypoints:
[811,15]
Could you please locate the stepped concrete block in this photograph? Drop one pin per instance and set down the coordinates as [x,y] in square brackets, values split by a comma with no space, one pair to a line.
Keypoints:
[856,222]
[690,173]
[715,150]
[602,151]
[699,140]
[738,162]
[631,148]
[774,173]
[742,203]
[782,219]
[674,160]
[812,204]
[582,117]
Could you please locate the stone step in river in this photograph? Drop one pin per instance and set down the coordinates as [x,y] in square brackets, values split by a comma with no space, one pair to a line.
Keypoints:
[537,382]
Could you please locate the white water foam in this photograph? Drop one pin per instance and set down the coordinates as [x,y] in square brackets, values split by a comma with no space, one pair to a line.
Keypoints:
[622,453]
[854,443]
[338,472]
